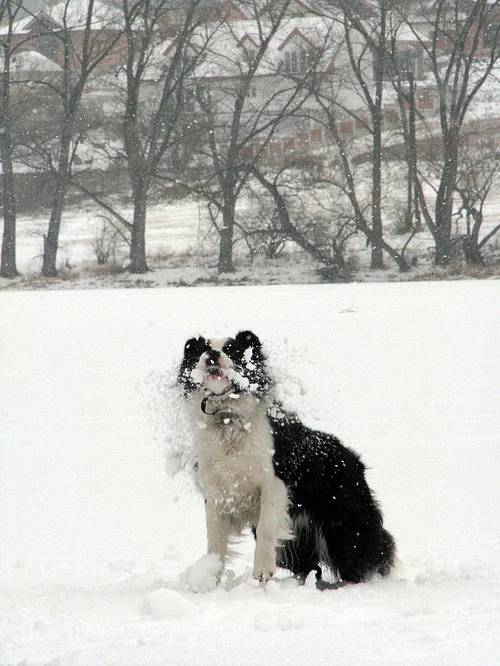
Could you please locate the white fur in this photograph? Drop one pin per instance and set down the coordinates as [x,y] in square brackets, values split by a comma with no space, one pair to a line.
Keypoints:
[234,449]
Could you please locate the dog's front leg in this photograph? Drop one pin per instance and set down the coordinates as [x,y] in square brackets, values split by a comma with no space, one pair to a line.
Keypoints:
[272,521]
[206,572]
[218,527]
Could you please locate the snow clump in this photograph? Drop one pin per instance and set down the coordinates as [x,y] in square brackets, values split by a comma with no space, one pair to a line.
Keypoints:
[203,575]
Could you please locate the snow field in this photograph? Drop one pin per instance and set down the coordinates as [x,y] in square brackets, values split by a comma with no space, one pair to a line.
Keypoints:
[95,535]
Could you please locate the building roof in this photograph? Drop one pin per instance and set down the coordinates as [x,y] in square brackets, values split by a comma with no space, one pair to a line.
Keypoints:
[21,26]
[226,47]
[33,61]
[71,14]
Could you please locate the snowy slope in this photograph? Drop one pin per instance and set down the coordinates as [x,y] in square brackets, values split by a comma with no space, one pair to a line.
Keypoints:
[94,534]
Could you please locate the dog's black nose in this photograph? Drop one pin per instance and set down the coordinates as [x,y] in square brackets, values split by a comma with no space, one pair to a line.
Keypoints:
[213,357]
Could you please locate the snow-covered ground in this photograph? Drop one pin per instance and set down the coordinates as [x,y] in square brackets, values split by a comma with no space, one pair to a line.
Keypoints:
[94,535]
[171,228]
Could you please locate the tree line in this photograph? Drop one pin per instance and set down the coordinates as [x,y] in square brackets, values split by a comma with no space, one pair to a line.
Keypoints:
[179,95]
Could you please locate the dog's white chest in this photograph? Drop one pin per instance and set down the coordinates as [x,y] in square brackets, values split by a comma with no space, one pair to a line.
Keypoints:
[233,464]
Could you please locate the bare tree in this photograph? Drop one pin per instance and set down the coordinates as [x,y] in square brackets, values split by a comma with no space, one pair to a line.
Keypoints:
[84,44]
[106,241]
[247,99]
[478,168]
[366,33]
[262,230]
[403,79]
[356,98]
[9,11]
[461,46]
[153,119]
[325,243]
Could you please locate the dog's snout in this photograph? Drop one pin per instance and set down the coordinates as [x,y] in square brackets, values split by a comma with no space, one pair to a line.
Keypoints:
[213,357]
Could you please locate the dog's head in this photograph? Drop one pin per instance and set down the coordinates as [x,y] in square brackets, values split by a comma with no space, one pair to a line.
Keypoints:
[219,366]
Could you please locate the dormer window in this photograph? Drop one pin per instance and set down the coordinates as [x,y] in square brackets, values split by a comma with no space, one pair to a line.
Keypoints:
[250,49]
[296,61]
[296,53]
[249,56]
[291,62]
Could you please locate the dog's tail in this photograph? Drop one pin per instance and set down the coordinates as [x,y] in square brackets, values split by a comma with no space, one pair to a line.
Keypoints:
[387,553]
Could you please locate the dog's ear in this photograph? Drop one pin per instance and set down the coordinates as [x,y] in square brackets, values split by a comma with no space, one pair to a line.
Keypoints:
[194,347]
[247,339]
[252,365]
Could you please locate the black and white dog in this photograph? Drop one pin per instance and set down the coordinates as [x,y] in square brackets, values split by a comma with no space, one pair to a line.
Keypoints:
[302,492]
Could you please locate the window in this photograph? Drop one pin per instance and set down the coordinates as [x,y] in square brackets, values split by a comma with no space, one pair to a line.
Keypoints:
[404,63]
[249,55]
[296,61]
[491,36]
[291,61]
[190,99]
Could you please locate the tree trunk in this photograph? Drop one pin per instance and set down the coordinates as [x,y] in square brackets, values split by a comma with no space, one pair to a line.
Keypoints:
[443,250]
[138,170]
[227,231]
[470,242]
[413,202]
[443,217]
[8,260]
[226,243]
[443,237]
[138,262]
[377,258]
[444,200]
[51,240]
[472,252]
[8,263]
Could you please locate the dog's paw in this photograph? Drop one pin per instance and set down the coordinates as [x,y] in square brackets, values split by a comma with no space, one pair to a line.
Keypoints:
[264,568]
[203,575]
[262,576]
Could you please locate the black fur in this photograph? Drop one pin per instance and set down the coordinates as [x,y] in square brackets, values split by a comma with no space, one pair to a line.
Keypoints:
[193,349]
[336,519]
[254,370]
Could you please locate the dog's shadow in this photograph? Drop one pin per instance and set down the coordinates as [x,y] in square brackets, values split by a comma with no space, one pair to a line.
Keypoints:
[323,585]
